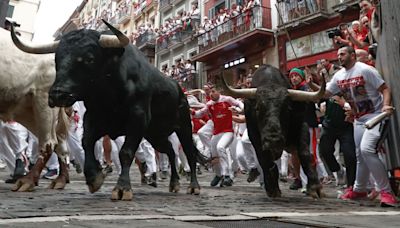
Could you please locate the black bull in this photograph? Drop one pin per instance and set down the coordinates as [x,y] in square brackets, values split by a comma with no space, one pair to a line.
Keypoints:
[275,121]
[124,95]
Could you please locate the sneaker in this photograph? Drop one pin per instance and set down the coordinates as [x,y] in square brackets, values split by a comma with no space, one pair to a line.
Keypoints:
[326,180]
[373,194]
[352,195]
[215,181]
[253,174]
[152,180]
[296,184]
[388,199]
[188,176]
[77,166]
[340,178]
[2,164]
[51,174]
[164,175]
[226,182]
[108,169]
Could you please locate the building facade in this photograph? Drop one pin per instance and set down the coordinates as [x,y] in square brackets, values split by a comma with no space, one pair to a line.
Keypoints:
[24,13]
[239,44]
[309,40]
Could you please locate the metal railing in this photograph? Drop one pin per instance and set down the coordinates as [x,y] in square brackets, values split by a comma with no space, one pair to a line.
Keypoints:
[146,38]
[164,3]
[292,13]
[124,14]
[257,17]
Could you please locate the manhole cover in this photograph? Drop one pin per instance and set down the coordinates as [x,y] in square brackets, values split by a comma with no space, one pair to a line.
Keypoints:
[259,223]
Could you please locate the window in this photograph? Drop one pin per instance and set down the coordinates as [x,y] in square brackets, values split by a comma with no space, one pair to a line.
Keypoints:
[10,11]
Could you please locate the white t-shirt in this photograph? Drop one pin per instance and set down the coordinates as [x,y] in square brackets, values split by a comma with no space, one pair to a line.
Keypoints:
[359,86]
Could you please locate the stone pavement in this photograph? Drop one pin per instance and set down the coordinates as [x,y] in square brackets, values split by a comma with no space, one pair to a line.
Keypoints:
[156,207]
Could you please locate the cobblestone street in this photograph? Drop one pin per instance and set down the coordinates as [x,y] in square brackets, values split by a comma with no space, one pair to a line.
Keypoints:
[157,207]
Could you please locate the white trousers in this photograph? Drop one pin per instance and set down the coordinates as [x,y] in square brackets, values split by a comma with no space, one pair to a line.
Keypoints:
[219,146]
[205,133]
[74,144]
[146,153]
[13,143]
[367,158]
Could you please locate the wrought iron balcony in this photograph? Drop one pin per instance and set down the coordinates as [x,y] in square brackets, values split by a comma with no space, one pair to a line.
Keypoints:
[258,18]
[147,39]
[123,15]
[293,17]
[165,5]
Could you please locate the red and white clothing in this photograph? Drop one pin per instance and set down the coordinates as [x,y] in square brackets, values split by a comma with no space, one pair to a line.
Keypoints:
[220,113]
[222,137]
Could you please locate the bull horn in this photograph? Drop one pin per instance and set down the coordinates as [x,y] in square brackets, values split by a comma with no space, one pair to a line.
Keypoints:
[118,40]
[195,91]
[33,49]
[298,95]
[242,93]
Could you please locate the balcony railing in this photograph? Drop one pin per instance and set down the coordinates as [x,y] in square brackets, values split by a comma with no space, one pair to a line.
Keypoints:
[289,14]
[147,38]
[164,42]
[123,15]
[164,4]
[257,17]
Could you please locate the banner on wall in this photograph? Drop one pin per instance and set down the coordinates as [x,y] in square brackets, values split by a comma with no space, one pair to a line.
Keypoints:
[309,45]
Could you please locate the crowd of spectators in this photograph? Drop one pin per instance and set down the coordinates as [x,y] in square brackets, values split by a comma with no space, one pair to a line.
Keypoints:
[342,114]
[181,71]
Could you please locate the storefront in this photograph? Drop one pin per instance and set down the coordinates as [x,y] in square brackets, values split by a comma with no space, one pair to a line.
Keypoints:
[310,41]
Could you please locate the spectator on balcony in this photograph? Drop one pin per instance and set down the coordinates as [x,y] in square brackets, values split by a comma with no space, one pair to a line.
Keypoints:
[283,10]
[190,67]
[194,16]
[247,10]
[186,26]
[257,13]
[165,70]
[366,9]
[292,9]
[178,26]
[301,7]
[234,14]
[220,20]
[312,6]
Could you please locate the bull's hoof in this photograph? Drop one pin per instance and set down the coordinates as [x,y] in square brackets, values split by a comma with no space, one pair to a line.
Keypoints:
[24,184]
[274,194]
[174,187]
[315,191]
[193,190]
[59,183]
[97,183]
[119,193]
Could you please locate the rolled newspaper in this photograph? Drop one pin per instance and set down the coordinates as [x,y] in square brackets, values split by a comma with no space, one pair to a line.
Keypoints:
[377,119]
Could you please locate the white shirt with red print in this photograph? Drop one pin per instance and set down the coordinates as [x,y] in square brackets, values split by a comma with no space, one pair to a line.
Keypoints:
[220,113]
[359,86]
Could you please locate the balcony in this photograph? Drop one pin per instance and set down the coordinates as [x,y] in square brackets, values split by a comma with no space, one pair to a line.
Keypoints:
[175,2]
[149,5]
[346,5]
[123,15]
[165,5]
[173,40]
[294,18]
[146,40]
[241,34]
